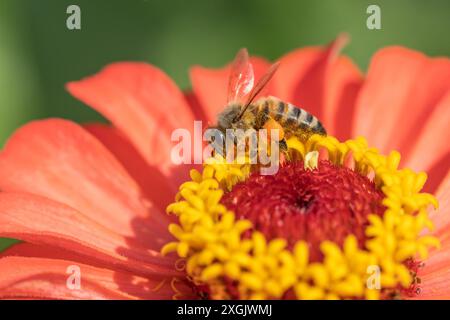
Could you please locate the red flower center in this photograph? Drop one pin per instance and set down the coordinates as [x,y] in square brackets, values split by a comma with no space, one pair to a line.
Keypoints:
[327,203]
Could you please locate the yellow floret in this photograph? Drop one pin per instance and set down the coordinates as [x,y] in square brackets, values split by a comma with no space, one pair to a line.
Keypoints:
[210,238]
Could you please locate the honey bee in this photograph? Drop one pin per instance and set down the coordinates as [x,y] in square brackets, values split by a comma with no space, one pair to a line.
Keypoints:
[265,113]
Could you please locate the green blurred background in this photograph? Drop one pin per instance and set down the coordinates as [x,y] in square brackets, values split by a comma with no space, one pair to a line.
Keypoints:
[38,54]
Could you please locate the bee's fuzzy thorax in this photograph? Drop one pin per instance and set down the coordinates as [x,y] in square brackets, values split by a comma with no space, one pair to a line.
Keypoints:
[225,119]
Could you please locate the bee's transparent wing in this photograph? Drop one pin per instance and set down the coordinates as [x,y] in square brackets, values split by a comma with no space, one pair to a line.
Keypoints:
[262,82]
[259,86]
[242,78]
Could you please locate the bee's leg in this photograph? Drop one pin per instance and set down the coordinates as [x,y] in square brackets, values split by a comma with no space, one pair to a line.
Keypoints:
[218,144]
[283,146]
[284,149]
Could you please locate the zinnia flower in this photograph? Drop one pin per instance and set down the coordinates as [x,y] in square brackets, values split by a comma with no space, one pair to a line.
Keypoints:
[95,196]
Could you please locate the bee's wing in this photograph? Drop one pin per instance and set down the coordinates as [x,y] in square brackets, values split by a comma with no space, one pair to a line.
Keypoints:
[262,82]
[259,86]
[241,79]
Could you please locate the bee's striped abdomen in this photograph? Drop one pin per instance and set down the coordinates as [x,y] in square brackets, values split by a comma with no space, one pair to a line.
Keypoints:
[279,111]
[290,116]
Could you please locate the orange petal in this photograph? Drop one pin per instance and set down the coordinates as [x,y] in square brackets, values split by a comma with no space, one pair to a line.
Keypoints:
[154,185]
[41,221]
[59,160]
[430,151]
[435,276]
[210,86]
[342,86]
[41,278]
[143,102]
[197,109]
[402,88]
[321,82]
[25,249]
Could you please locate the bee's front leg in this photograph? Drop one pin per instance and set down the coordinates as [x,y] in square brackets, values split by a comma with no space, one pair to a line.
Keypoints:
[283,148]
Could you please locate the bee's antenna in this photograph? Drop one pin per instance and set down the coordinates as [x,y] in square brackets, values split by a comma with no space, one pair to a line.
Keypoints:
[257,89]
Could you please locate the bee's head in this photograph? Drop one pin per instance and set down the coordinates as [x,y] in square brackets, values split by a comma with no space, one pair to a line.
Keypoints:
[227,117]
